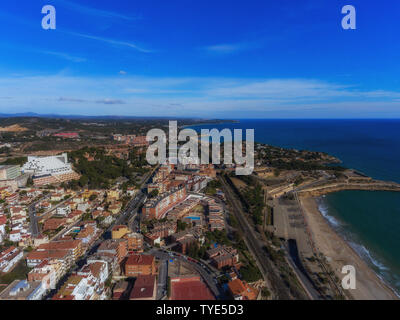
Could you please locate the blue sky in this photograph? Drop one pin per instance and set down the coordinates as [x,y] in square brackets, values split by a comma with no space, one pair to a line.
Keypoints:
[241,59]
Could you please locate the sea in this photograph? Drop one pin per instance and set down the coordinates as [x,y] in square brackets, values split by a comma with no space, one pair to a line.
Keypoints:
[368,220]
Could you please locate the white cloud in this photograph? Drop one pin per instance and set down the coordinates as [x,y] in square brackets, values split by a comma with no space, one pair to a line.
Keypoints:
[66,99]
[112,42]
[131,95]
[230,48]
[110,101]
[94,11]
[223,48]
[65,56]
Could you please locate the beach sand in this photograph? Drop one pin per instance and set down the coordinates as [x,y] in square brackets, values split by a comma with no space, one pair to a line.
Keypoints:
[338,253]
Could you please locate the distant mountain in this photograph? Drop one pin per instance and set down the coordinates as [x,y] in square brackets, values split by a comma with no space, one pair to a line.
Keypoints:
[19,115]
[57,116]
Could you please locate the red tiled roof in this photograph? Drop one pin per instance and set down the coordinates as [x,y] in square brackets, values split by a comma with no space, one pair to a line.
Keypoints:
[190,289]
[60,245]
[117,227]
[140,259]
[236,286]
[48,254]
[144,287]
[3,219]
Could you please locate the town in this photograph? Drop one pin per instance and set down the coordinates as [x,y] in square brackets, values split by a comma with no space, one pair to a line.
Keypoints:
[156,233]
[84,216]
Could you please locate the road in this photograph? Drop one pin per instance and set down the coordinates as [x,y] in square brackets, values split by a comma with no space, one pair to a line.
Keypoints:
[131,207]
[33,220]
[296,264]
[34,225]
[133,204]
[205,272]
[162,279]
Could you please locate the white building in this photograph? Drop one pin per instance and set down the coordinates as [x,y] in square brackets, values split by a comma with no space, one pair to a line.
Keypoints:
[9,258]
[3,222]
[15,236]
[47,272]
[131,192]
[83,207]
[51,165]
[64,210]
[17,210]
[23,290]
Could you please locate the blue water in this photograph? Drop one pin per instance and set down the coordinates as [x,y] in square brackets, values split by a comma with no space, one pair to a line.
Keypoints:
[193,218]
[370,221]
[371,146]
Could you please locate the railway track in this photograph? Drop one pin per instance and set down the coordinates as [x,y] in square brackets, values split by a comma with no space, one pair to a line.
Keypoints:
[279,290]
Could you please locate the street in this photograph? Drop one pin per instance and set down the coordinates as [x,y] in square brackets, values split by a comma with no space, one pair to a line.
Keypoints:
[205,272]
[131,207]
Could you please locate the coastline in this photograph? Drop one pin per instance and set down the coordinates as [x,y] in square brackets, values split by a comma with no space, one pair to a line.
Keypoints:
[369,286]
[216,122]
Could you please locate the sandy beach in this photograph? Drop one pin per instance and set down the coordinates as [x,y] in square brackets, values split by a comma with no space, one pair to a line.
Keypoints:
[338,253]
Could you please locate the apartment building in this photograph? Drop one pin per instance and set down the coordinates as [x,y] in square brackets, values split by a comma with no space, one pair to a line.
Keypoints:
[23,290]
[135,241]
[114,247]
[9,258]
[73,246]
[49,272]
[9,172]
[158,207]
[119,231]
[223,256]
[49,170]
[139,264]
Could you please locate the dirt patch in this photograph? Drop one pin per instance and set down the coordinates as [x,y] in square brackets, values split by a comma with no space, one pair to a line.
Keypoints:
[13,128]
[239,184]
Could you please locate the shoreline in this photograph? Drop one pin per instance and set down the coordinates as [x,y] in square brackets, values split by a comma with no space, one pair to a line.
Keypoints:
[338,252]
[216,122]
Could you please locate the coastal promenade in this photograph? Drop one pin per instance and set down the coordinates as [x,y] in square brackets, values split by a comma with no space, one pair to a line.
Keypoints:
[335,186]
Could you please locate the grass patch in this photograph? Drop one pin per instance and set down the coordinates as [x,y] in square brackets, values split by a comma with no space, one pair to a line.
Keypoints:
[19,272]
